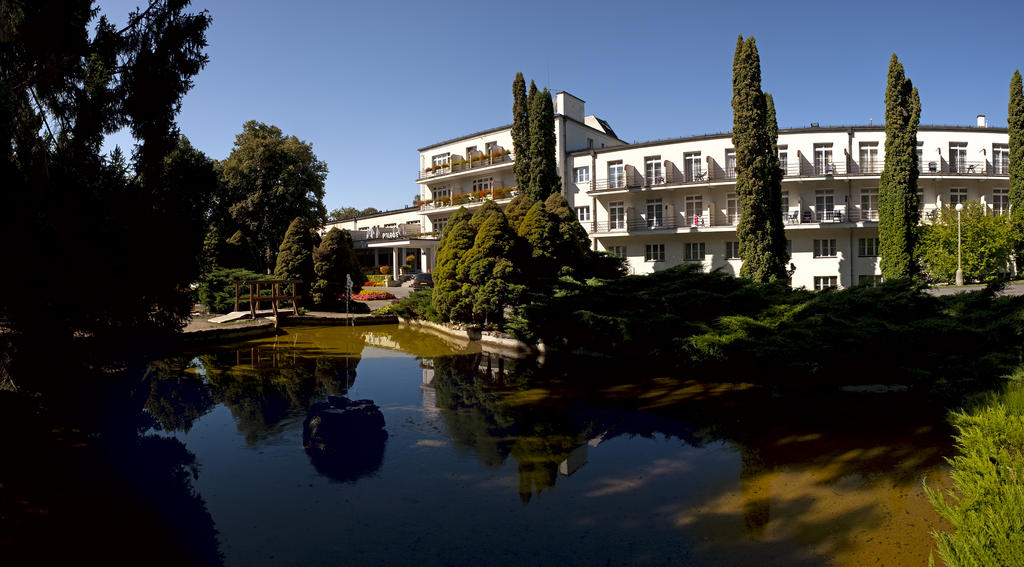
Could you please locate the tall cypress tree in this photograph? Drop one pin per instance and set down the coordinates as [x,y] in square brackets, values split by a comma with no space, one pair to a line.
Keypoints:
[1015,118]
[520,131]
[543,170]
[758,176]
[898,215]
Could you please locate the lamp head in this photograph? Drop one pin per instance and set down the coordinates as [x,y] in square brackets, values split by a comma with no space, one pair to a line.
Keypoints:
[959,207]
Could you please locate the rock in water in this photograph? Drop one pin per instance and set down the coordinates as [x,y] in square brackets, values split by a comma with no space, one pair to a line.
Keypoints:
[345,439]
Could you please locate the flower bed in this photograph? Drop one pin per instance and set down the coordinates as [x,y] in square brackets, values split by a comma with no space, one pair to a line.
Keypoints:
[371,295]
[372,284]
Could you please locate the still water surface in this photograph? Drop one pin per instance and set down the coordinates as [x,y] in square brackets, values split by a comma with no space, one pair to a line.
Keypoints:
[490,461]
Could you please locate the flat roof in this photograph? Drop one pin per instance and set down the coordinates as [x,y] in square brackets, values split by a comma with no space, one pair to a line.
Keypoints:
[802,130]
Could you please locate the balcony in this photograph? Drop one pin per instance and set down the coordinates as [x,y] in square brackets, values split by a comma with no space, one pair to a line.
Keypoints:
[402,231]
[637,225]
[468,199]
[461,166]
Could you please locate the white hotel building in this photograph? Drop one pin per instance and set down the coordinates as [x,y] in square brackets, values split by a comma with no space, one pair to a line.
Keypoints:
[660,204]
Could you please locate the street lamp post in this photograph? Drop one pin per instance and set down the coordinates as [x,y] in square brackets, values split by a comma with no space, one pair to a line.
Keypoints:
[959,265]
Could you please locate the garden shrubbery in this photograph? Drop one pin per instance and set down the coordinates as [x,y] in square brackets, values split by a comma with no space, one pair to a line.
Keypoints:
[217,288]
[984,507]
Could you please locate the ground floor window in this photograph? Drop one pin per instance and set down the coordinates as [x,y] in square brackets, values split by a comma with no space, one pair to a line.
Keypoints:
[732,250]
[654,252]
[619,251]
[869,280]
[825,282]
[693,251]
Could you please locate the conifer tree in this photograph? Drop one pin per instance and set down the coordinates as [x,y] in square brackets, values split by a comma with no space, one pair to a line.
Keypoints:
[539,235]
[1015,119]
[295,255]
[489,268]
[758,176]
[517,209]
[572,245]
[520,131]
[452,296]
[898,215]
[543,170]
[333,259]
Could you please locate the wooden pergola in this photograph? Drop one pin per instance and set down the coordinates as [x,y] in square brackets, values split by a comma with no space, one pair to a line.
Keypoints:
[280,290]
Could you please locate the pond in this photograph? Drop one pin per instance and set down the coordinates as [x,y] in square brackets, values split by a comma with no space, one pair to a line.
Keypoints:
[487,460]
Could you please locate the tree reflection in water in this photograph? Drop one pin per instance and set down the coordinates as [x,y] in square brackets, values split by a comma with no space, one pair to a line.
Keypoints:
[84,476]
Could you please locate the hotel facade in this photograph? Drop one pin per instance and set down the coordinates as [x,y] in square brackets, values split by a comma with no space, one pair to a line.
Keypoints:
[670,202]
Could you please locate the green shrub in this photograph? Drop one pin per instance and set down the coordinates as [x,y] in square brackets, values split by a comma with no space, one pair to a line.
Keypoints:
[417,306]
[987,242]
[217,290]
[984,507]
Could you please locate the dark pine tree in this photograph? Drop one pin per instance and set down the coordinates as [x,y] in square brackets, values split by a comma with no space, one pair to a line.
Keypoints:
[520,131]
[543,169]
[295,256]
[898,216]
[1015,118]
[452,296]
[758,176]
[333,259]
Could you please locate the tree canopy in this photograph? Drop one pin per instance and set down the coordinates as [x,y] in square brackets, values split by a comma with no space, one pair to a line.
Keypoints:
[85,217]
[268,180]
[520,131]
[1015,120]
[347,213]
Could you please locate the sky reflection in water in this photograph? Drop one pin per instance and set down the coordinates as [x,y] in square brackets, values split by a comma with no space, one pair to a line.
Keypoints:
[491,461]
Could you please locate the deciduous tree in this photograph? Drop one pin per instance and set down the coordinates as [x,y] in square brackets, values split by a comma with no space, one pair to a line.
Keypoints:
[898,215]
[269,179]
[758,176]
[987,242]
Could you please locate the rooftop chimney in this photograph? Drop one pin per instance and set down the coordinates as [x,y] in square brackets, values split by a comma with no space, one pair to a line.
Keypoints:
[982,123]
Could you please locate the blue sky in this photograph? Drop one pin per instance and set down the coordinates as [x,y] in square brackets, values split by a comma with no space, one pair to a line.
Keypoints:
[369,82]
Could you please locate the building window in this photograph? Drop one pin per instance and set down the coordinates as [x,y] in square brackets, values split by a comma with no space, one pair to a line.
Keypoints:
[1000,201]
[920,157]
[490,147]
[823,159]
[732,208]
[867,247]
[1000,159]
[825,248]
[957,157]
[439,225]
[583,214]
[483,184]
[581,174]
[825,282]
[869,204]
[869,280]
[441,159]
[730,163]
[616,175]
[590,143]
[442,192]
[869,157]
[616,215]
[920,200]
[789,248]
[693,252]
[652,170]
[655,219]
[732,250]
[470,151]
[693,208]
[692,167]
[957,195]
[654,252]
[784,159]
[824,204]
[618,251]
[785,204]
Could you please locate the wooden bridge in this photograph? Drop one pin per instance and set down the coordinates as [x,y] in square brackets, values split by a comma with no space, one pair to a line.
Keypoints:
[280,290]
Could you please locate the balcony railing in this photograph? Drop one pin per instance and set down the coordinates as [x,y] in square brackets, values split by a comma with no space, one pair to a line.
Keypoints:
[637,225]
[466,165]
[469,199]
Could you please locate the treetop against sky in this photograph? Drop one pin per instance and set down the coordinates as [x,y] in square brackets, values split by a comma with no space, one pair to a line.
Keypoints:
[368,83]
